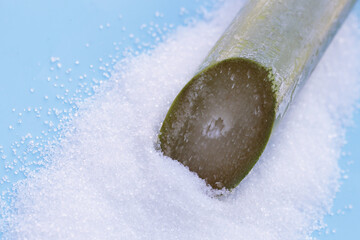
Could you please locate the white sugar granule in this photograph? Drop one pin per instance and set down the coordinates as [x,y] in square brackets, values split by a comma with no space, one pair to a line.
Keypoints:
[108,181]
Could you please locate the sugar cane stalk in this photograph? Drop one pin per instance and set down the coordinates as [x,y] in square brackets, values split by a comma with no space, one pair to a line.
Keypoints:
[221,121]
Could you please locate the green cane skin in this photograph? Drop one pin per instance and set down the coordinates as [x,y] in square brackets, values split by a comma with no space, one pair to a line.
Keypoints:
[220,123]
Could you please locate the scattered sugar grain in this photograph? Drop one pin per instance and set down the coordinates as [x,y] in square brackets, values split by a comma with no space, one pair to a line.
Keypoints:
[54,59]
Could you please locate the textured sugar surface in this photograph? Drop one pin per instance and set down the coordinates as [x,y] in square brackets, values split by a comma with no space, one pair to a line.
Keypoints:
[108,181]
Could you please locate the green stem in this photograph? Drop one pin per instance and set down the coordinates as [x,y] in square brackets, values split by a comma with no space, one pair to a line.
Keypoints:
[221,121]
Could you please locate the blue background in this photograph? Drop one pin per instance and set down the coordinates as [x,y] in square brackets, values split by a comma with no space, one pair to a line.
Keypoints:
[94,33]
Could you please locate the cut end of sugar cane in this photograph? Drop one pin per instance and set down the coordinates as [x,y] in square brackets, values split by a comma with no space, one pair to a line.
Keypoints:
[220,122]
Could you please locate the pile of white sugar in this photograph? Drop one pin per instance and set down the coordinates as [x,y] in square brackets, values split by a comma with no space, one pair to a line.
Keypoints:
[106,179]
